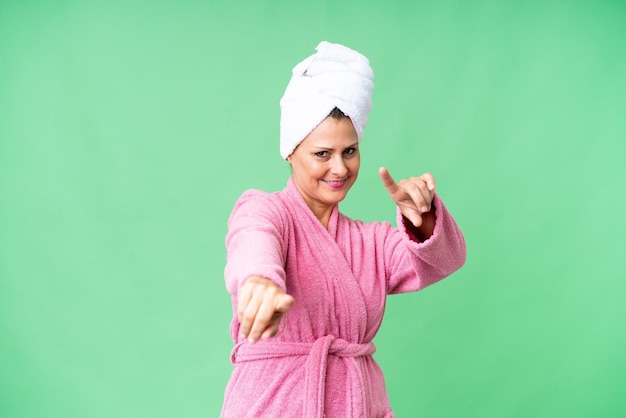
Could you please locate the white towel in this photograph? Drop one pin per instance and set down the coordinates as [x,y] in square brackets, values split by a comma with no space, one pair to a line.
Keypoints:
[336,76]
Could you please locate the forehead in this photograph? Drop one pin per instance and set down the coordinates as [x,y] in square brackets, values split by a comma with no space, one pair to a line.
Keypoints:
[332,133]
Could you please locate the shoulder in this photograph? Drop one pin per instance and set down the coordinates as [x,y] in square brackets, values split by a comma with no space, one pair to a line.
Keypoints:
[258,198]
[258,204]
[252,195]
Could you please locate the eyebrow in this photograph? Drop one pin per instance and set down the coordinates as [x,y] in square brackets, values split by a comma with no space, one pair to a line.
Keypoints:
[330,149]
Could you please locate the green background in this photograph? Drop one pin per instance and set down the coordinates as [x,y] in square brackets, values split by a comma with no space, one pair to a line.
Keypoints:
[129,128]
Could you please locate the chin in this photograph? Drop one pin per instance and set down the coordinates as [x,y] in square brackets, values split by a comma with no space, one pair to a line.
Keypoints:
[340,195]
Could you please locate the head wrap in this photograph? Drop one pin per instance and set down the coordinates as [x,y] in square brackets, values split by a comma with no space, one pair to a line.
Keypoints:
[336,76]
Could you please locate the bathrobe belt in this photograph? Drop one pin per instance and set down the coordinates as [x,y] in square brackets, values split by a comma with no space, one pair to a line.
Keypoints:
[315,366]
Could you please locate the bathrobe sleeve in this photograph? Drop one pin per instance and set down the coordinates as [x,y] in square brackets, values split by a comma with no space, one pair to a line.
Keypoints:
[255,241]
[412,265]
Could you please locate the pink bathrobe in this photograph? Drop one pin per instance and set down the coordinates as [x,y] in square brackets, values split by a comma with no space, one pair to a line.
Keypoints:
[320,364]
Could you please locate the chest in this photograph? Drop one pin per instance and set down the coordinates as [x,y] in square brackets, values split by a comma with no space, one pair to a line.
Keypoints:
[337,280]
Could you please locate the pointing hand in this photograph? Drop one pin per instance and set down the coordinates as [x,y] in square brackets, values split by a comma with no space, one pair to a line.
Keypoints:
[261,307]
[414,196]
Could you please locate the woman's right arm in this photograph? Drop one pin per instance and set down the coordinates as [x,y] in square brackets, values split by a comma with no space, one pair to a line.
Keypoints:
[254,273]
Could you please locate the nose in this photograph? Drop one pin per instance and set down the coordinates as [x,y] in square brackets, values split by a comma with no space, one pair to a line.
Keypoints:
[338,167]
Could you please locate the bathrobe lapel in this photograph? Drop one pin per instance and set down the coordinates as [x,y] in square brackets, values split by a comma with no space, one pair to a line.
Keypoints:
[336,291]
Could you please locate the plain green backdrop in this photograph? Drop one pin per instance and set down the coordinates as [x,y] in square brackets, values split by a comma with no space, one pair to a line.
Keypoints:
[129,128]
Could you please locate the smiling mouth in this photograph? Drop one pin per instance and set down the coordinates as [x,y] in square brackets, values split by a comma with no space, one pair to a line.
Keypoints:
[335,184]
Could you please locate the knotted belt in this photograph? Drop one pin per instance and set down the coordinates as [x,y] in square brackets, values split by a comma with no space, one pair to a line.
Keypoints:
[315,366]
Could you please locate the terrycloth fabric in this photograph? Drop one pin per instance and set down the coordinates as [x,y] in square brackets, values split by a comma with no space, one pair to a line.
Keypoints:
[315,367]
[320,363]
[336,76]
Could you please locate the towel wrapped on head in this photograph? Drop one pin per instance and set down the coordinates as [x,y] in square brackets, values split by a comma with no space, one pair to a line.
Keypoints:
[336,76]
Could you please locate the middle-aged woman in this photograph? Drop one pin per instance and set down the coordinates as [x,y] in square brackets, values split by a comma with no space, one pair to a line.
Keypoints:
[309,284]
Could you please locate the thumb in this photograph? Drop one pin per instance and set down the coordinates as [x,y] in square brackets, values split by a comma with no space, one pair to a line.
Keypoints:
[285,302]
[388,181]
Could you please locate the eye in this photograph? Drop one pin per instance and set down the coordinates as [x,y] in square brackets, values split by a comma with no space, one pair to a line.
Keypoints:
[350,151]
[321,154]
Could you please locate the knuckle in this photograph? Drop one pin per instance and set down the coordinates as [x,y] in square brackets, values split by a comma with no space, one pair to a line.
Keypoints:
[248,317]
[271,290]
[262,318]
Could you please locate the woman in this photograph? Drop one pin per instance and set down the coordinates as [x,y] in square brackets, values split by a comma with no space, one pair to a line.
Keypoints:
[309,284]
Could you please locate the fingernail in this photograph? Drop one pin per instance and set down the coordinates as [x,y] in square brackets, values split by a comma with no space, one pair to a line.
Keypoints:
[251,340]
[424,208]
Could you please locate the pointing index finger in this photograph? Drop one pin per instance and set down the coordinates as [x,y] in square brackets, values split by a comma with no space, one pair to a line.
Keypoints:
[388,181]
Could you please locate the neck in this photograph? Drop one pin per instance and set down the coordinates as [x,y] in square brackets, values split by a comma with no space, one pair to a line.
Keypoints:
[323,217]
[321,211]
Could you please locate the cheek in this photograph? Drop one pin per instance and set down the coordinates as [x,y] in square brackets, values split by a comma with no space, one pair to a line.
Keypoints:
[307,171]
[355,164]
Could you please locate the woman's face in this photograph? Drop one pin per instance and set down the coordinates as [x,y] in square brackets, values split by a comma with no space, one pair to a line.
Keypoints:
[326,163]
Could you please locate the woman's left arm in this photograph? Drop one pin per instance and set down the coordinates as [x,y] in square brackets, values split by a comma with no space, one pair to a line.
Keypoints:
[433,246]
